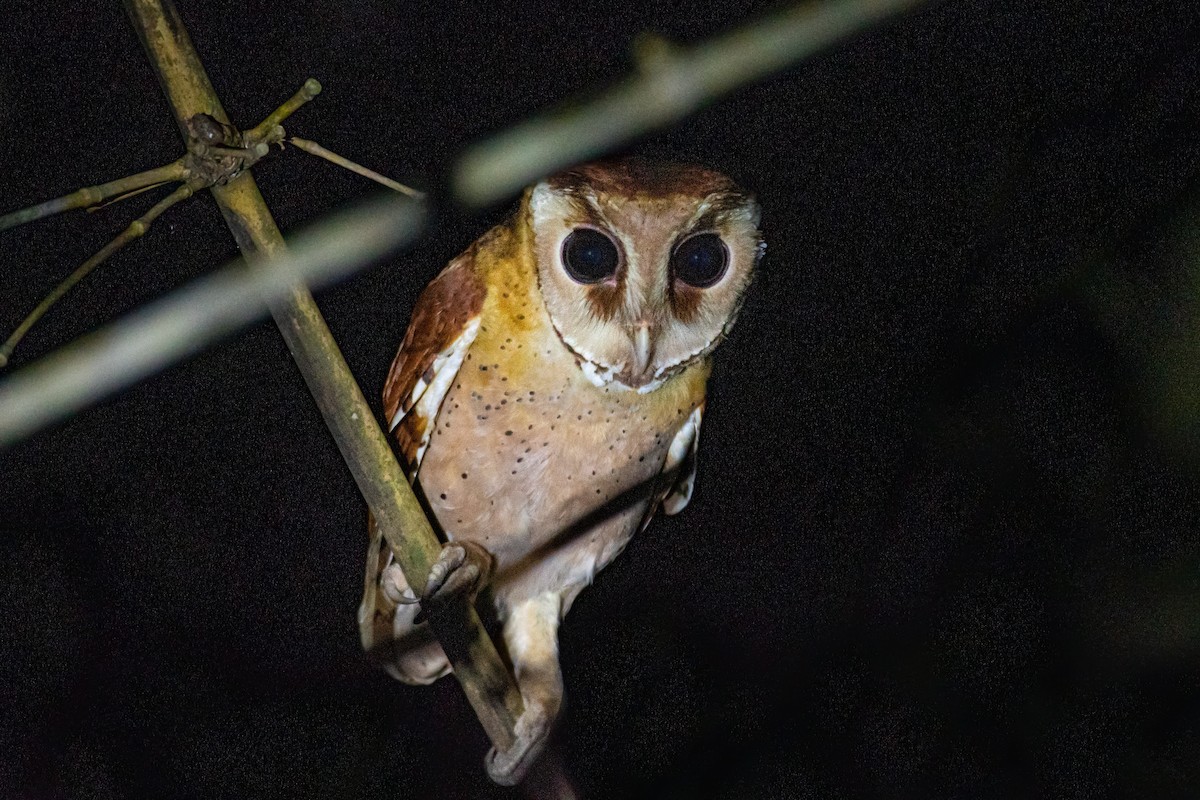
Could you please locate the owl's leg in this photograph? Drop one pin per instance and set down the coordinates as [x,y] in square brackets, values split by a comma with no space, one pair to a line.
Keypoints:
[387,623]
[531,635]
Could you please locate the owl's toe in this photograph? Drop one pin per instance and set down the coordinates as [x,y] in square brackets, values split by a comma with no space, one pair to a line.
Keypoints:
[462,569]
[509,767]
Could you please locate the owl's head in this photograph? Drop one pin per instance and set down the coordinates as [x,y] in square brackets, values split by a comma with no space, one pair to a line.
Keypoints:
[642,266]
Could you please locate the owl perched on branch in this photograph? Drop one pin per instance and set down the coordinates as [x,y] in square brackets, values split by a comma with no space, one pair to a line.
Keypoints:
[547,399]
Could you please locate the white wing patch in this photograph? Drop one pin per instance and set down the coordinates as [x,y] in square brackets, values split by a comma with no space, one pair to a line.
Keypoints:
[427,395]
[682,455]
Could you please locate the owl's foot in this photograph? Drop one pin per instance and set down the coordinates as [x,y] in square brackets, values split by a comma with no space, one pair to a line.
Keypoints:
[508,768]
[462,568]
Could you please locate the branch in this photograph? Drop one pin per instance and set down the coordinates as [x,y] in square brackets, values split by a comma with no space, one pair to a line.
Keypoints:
[266,129]
[216,153]
[135,230]
[186,321]
[477,665]
[91,195]
[672,84]
[315,149]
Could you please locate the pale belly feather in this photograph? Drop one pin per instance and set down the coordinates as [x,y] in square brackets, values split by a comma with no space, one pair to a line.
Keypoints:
[550,473]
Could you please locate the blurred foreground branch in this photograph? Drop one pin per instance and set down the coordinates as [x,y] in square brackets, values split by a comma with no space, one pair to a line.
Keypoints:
[188,320]
[672,84]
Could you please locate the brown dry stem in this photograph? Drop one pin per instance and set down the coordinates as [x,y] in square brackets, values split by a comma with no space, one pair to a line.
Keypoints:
[315,149]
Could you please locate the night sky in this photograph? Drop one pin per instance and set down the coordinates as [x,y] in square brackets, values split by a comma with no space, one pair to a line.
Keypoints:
[944,537]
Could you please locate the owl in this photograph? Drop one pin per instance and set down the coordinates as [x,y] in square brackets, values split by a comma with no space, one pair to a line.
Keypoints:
[547,400]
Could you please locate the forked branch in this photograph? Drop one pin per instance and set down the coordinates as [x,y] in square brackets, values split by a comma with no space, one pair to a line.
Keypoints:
[216,154]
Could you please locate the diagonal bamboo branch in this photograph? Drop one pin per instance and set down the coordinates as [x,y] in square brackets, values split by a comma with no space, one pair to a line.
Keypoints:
[477,664]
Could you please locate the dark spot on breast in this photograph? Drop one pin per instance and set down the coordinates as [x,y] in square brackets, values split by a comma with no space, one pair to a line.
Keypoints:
[508,433]
[442,495]
[464,476]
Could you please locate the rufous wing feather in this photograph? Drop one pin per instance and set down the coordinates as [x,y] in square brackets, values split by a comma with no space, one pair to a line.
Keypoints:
[444,323]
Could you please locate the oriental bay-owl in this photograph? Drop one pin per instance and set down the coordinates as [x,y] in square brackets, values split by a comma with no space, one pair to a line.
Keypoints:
[547,399]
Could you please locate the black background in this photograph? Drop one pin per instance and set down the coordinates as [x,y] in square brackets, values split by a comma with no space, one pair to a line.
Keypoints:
[943,542]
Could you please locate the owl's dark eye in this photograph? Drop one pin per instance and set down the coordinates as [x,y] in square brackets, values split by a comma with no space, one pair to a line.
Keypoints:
[700,260]
[590,256]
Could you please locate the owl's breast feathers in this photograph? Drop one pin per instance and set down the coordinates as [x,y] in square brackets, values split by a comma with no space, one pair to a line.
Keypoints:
[519,438]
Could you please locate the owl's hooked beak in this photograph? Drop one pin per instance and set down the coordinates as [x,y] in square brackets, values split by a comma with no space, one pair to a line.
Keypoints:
[643,350]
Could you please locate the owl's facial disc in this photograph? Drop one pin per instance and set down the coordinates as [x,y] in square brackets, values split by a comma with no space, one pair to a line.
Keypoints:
[642,269]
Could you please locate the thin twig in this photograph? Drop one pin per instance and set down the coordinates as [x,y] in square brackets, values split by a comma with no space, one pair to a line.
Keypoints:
[261,131]
[89,196]
[317,150]
[673,83]
[135,230]
[126,196]
[190,318]
[310,89]
[205,165]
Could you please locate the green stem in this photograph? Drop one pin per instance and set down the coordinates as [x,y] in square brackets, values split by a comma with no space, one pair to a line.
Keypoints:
[134,231]
[91,195]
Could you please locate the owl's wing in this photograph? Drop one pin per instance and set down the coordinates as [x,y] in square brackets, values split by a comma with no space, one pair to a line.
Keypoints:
[445,322]
[680,466]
